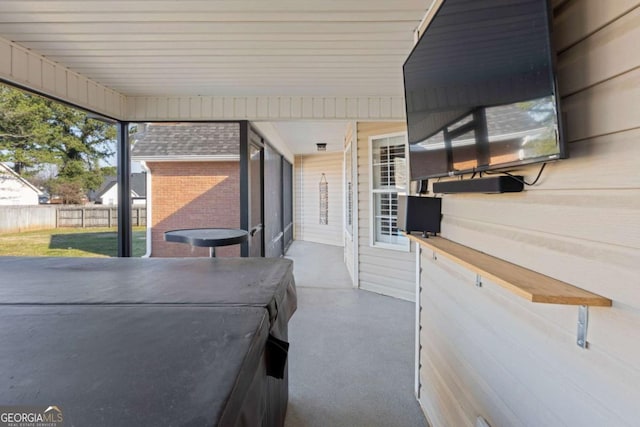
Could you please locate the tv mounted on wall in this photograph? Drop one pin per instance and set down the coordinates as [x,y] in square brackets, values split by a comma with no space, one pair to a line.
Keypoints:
[480,89]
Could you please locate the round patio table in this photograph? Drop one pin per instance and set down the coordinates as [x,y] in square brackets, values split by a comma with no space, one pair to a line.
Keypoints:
[208,237]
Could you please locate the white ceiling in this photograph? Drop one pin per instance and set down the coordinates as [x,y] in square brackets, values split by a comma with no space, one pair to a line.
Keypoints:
[223,47]
[227,48]
[302,136]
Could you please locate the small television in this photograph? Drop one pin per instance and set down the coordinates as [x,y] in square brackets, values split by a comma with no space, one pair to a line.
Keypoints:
[480,89]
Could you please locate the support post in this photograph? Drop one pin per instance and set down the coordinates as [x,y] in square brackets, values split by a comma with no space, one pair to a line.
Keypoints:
[244,184]
[418,327]
[124,191]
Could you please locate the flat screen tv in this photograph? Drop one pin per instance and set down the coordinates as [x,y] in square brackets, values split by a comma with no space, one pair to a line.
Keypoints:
[480,89]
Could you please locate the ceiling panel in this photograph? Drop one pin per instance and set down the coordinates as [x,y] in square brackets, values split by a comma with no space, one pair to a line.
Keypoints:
[302,136]
[223,47]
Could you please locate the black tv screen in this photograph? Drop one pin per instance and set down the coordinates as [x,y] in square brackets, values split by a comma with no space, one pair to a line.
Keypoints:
[480,89]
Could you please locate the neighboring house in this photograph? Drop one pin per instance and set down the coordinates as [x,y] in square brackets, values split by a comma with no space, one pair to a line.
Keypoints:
[15,190]
[107,194]
[194,181]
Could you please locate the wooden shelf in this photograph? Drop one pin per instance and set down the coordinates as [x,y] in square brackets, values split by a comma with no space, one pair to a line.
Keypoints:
[526,283]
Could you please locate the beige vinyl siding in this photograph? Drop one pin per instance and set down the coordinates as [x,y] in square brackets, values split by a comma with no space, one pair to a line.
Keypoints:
[386,271]
[308,172]
[486,352]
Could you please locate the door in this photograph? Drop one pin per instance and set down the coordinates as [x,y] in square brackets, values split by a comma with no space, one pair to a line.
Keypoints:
[273,235]
[287,203]
[256,228]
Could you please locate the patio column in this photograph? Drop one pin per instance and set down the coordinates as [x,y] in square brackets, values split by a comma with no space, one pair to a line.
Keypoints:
[124,190]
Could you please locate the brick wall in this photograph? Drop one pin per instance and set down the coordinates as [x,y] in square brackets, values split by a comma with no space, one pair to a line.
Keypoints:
[193,195]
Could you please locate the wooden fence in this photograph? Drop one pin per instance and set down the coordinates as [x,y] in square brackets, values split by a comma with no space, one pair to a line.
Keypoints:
[40,217]
[96,216]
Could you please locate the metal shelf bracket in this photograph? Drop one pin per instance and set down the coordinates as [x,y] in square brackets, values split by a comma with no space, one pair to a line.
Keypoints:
[478,281]
[583,323]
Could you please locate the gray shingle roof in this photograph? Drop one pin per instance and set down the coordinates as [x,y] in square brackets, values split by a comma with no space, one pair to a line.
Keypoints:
[138,182]
[187,139]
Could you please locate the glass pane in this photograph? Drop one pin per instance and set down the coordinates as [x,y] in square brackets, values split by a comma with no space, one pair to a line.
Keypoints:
[523,130]
[389,163]
[385,218]
[199,193]
[58,166]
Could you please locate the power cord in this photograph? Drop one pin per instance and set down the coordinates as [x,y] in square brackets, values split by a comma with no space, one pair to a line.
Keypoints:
[518,179]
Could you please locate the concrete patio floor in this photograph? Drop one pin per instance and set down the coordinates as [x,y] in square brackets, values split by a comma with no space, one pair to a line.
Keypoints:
[352,352]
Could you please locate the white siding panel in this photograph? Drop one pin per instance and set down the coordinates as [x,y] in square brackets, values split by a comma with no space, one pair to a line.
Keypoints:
[229,107]
[160,108]
[184,108]
[308,172]
[274,106]
[317,108]
[83,90]
[601,57]
[263,107]
[72,87]
[329,107]
[588,265]
[515,362]
[352,107]
[385,271]
[34,71]
[5,58]
[61,81]
[140,108]
[608,216]
[277,108]
[601,154]
[173,107]
[363,107]
[48,77]
[341,108]
[579,19]
[397,107]
[386,107]
[207,106]
[503,340]
[296,107]
[92,94]
[218,106]
[285,107]
[19,64]
[605,108]
[195,106]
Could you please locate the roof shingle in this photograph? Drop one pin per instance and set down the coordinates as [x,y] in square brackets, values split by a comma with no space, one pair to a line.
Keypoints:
[187,139]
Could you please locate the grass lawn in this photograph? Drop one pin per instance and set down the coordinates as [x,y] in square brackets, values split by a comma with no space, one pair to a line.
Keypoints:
[69,242]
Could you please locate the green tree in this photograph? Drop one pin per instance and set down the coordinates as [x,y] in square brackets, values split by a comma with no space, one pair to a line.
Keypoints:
[36,131]
[79,144]
[24,130]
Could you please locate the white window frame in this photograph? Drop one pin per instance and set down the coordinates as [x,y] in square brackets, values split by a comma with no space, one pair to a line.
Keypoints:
[404,244]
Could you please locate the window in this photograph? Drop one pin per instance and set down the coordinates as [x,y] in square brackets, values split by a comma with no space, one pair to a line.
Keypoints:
[388,179]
